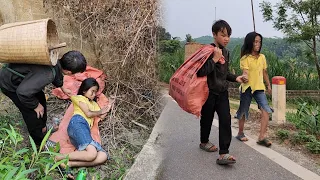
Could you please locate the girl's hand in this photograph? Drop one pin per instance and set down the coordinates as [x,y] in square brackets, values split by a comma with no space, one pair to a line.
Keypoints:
[240,79]
[269,90]
[105,109]
[245,78]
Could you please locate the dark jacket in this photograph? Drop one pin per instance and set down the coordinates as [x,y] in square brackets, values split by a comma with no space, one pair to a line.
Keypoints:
[217,74]
[36,78]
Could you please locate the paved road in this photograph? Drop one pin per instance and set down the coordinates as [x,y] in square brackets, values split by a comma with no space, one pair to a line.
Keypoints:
[172,153]
[179,137]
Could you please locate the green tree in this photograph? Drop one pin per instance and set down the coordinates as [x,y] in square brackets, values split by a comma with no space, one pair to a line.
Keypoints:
[169,46]
[189,38]
[162,34]
[298,20]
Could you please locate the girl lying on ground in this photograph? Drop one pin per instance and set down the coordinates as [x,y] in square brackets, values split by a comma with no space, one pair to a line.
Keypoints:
[89,152]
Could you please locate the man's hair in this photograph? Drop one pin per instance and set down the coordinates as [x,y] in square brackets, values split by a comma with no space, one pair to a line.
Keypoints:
[73,61]
[220,25]
[247,46]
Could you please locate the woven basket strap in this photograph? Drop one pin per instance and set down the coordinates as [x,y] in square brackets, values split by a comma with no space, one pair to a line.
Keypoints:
[13,71]
[53,72]
[23,76]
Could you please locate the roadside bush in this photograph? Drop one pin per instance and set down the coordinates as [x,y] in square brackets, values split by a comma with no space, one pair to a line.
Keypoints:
[283,134]
[20,162]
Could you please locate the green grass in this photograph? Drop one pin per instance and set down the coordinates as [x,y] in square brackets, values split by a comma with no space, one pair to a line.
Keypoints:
[234,106]
[14,139]
[169,63]
[283,134]
[20,161]
[302,137]
[307,122]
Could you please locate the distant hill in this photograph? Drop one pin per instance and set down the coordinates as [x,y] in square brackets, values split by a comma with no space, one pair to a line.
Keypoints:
[280,46]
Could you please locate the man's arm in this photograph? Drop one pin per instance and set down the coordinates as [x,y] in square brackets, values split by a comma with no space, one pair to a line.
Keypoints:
[231,77]
[207,67]
[32,84]
[66,91]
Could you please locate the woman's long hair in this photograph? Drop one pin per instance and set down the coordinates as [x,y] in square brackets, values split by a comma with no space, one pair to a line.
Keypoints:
[86,85]
[247,46]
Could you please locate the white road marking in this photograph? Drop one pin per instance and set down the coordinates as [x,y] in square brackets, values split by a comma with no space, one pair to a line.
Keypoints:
[278,158]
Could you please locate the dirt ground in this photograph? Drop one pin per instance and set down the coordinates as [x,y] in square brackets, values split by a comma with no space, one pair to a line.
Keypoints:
[297,153]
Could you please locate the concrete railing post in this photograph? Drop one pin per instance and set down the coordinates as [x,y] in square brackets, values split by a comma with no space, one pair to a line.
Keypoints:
[279,99]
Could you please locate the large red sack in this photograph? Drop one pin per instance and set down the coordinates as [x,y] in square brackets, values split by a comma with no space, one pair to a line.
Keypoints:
[186,88]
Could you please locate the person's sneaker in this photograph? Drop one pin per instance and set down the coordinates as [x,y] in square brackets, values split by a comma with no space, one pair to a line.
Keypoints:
[54,125]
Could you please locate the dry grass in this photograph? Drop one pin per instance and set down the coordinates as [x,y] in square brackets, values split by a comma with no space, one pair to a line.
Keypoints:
[122,36]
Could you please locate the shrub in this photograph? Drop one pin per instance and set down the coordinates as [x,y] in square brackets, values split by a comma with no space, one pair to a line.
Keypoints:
[283,134]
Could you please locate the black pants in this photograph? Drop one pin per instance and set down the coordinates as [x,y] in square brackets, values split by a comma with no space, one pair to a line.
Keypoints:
[34,124]
[220,104]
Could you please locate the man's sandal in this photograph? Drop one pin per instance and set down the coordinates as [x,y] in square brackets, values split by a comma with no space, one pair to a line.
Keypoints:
[209,147]
[242,137]
[264,142]
[226,159]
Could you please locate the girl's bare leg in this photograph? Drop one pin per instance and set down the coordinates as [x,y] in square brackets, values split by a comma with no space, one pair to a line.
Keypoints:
[100,159]
[89,154]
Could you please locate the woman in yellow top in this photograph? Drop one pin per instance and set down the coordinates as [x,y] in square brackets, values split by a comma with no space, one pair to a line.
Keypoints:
[89,152]
[254,66]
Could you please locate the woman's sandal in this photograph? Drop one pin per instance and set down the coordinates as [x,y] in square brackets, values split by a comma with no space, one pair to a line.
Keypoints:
[226,159]
[208,147]
[264,142]
[242,137]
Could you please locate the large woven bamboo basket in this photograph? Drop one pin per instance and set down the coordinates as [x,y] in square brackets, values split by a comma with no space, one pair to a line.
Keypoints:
[31,42]
[190,48]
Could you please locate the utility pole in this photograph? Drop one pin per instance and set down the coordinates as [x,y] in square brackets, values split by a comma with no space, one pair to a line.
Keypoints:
[254,25]
[215,13]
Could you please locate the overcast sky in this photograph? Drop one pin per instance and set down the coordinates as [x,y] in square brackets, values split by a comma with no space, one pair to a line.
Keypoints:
[195,17]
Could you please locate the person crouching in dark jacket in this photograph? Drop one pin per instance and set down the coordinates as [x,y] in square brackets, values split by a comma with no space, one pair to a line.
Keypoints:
[27,92]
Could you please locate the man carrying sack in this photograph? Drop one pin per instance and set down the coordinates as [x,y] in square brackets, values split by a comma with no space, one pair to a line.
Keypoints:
[24,84]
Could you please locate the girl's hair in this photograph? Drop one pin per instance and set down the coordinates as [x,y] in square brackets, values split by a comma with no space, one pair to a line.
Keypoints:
[86,85]
[247,46]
